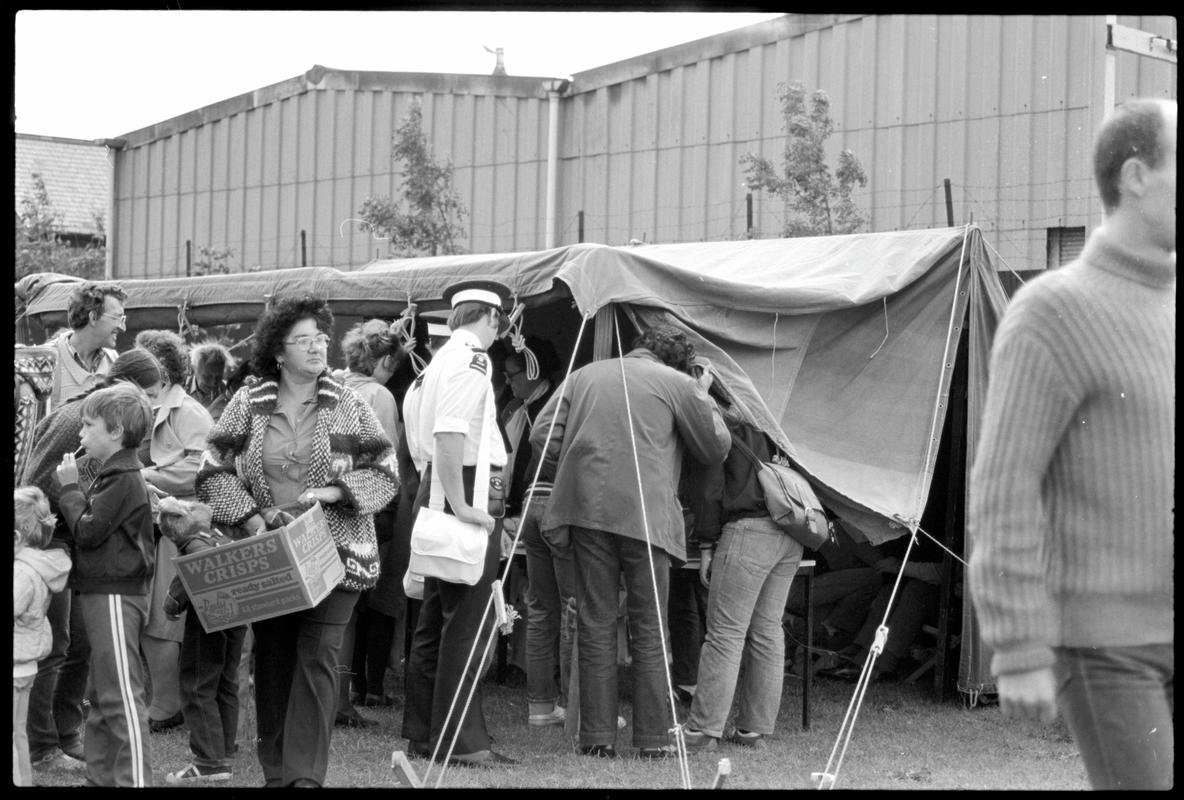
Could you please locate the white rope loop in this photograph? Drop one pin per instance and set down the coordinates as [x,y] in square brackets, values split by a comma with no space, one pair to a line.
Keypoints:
[518,340]
[404,329]
[680,743]
[493,629]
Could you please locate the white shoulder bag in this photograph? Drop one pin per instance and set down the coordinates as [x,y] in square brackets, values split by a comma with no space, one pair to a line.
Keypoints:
[443,546]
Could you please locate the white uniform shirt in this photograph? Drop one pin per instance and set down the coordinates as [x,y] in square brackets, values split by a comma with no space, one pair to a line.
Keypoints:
[449,397]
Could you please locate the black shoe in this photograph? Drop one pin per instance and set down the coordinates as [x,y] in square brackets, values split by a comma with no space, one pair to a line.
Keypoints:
[166,724]
[354,720]
[655,753]
[484,759]
[598,750]
[744,738]
[419,749]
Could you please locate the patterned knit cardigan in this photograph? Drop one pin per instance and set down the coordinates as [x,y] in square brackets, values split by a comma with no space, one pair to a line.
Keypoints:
[349,450]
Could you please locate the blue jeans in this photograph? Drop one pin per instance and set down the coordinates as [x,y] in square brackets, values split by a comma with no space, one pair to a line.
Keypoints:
[687,609]
[601,558]
[1118,704]
[209,690]
[551,578]
[754,565]
[55,704]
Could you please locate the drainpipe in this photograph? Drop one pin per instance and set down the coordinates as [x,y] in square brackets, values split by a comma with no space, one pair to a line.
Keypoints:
[554,88]
[114,147]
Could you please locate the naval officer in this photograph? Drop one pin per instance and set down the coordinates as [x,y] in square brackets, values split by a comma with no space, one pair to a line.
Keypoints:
[445,413]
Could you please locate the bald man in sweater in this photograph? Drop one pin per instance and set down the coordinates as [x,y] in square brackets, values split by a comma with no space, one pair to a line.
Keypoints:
[1071,495]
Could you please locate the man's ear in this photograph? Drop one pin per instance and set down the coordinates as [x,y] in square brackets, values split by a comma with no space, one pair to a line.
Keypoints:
[1133,176]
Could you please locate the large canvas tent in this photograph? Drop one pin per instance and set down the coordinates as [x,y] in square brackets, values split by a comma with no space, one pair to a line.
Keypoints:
[842,348]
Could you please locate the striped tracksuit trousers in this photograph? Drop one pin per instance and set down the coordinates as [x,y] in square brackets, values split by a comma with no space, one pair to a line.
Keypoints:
[116,740]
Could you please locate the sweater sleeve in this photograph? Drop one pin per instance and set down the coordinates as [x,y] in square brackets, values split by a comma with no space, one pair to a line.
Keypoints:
[218,483]
[373,481]
[1028,407]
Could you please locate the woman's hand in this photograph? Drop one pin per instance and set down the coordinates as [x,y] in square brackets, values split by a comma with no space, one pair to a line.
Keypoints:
[67,471]
[255,525]
[325,495]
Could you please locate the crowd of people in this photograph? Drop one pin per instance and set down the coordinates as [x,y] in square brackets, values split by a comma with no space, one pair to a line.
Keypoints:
[629,485]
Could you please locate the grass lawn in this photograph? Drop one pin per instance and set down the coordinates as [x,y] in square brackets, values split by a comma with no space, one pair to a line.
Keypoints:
[902,740]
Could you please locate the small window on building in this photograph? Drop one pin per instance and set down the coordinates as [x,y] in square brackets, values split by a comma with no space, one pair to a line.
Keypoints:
[1064,245]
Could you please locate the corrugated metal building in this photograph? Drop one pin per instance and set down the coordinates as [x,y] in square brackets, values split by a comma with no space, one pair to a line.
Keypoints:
[649,148]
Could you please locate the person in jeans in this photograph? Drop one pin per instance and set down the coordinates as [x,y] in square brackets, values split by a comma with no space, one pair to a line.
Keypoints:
[1072,501]
[748,561]
[595,498]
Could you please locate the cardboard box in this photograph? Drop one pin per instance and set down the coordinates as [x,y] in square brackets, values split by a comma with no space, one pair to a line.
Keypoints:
[288,569]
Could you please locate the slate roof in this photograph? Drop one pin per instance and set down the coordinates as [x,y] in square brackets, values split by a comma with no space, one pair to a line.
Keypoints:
[76,176]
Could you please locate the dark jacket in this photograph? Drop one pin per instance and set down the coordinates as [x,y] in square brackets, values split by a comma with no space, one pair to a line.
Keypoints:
[526,460]
[114,548]
[592,450]
[725,492]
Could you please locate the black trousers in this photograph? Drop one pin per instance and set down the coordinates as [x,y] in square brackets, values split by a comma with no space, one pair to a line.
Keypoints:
[452,617]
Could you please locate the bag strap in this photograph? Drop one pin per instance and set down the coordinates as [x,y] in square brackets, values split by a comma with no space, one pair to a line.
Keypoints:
[746,450]
[481,481]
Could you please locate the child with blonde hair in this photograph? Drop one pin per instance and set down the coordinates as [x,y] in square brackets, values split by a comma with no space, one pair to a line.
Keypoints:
[36,574]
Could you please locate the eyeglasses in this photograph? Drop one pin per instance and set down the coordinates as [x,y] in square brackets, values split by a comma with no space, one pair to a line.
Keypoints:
[306,342]
[120,318]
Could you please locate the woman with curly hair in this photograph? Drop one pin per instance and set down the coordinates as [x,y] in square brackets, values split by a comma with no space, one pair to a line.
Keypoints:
[372,355]
[292,437]
[171,457]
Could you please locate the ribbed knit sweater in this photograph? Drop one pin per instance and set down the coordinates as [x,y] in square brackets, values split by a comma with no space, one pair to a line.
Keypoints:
[1071,494]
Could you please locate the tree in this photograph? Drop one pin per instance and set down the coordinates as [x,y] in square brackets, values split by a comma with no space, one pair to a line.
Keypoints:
[212,261]
[42,246]
[426,220]
[817,201]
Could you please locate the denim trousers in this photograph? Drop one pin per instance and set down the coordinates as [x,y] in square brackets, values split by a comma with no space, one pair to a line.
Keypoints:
[209,690]
[55,704]
[687,608]
[296,657]
[841,598]
[551,584]
[1118,703]
[600,559]
[743,655]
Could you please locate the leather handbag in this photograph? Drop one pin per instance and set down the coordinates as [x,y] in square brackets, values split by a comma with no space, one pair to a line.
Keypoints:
[790,499]
[443,546]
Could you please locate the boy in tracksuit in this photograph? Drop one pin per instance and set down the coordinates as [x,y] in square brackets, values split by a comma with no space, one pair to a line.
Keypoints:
[113,564]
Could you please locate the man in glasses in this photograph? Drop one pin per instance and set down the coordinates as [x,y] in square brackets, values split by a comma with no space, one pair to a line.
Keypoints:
[85,352]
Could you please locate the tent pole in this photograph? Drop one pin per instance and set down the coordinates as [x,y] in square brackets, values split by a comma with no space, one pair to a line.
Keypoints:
[955,516]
